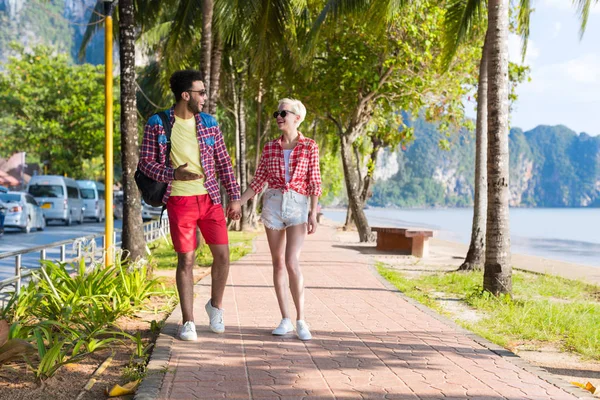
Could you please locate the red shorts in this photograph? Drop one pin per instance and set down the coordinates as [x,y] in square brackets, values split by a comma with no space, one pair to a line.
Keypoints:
[187,212]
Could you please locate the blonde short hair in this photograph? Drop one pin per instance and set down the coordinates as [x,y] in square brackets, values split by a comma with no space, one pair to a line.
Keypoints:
[296,107]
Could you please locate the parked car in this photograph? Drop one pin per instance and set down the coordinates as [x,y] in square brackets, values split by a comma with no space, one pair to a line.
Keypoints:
[118,205]
[2,210]
[92,194]
[58,196]
[149,212]
[22,212]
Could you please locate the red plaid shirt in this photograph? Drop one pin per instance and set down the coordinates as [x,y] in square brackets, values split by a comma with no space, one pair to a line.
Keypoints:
[304,168]
[213,156]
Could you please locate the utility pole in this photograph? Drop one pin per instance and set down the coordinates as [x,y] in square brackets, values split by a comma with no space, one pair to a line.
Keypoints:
[108,141]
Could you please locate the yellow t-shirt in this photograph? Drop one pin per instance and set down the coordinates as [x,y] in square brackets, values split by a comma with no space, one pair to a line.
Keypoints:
[185,149]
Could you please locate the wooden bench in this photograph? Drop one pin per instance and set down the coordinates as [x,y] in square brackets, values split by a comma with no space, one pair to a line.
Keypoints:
[412,240]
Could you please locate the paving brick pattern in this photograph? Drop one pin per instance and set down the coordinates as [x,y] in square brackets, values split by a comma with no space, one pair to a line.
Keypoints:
[369,342]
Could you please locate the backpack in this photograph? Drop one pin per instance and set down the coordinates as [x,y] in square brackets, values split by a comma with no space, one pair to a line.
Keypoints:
[153,191]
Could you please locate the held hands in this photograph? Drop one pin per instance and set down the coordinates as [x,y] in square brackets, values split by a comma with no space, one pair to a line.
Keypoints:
[312,223]
[182,174]
[234,210]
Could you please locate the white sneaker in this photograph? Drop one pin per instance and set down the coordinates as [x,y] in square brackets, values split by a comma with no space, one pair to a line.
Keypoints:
[188,331]
[285,326]
[215,315]
[302,330]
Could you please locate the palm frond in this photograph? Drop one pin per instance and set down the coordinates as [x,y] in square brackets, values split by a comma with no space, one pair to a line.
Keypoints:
[185,33]
[525,11]
[461,16]
[334,9]
[583,9]
[93,27]
[154,36]
[230,17]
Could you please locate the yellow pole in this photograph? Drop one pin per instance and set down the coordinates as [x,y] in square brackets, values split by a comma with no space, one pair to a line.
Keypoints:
[108,155]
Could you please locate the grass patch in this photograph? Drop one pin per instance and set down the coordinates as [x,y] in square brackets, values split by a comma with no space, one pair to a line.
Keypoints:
[165,257]
[544,308]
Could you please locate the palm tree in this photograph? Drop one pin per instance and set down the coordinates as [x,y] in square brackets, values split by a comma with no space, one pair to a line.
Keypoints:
[461,16]
[497,277]
[248,30]
[475,254]
[207,43]
[133,235]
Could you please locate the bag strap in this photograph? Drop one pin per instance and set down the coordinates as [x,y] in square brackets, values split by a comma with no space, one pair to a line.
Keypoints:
[164,116]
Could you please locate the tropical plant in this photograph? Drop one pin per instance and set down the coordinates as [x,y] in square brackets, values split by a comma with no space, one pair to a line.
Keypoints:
[68,311]
[362,75]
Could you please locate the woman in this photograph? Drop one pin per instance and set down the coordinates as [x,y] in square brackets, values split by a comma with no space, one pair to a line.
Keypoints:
[290,166]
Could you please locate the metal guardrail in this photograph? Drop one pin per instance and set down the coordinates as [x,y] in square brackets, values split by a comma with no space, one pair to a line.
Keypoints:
[153,231]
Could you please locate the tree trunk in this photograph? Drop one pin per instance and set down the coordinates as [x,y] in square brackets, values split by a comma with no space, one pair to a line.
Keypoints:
[252,217]
[498,270]
[349,220]
[368,179]
[242,141]
[475,255]
[215,73]
[353,189]
[365,182]
[133,233]
[234,93]
[206,43]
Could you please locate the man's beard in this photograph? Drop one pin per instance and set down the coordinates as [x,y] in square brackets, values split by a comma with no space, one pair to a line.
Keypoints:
[194,106]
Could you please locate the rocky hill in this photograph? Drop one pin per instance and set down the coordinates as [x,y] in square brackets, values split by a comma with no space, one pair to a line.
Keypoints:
[57,23]
[550,166]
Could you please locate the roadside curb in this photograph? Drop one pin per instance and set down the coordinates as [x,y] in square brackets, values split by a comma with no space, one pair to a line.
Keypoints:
[158,365]
[499,350]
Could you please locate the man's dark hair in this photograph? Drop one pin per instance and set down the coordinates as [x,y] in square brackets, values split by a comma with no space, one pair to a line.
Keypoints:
[182,81]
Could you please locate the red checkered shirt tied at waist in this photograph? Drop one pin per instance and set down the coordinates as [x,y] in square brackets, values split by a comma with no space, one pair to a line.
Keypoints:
[303,165]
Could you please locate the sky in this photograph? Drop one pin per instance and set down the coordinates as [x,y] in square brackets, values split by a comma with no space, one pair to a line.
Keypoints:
[565,71]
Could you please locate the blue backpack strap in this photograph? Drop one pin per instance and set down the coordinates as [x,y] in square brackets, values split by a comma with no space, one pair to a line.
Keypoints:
[208,120]
[162,118]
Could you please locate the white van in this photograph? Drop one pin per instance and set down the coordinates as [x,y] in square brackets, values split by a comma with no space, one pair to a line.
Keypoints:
[58,196]
[92,194]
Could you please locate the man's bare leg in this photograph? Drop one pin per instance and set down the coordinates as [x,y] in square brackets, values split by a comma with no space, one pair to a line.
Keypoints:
[219,273]
[185,284]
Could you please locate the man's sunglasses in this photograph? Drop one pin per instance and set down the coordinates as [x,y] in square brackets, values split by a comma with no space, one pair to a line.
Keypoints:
[201,92]
[283,113]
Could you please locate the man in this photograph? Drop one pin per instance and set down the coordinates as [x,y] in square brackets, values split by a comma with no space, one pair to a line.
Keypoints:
[193,200]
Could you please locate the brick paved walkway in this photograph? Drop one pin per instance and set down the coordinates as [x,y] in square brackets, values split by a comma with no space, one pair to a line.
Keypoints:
[369,341]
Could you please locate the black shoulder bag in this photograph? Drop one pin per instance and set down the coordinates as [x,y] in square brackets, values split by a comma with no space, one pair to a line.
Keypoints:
[153,191]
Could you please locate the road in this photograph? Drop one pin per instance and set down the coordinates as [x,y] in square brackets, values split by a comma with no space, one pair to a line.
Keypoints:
[15,240]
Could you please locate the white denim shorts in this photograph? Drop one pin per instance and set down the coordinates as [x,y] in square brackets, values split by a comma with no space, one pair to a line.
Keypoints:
[282,210]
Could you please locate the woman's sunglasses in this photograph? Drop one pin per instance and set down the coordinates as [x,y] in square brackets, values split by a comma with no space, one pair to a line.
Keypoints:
[283,113]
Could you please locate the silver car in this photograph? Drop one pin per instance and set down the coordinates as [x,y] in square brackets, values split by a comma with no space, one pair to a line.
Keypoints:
[22,211]
[149,212]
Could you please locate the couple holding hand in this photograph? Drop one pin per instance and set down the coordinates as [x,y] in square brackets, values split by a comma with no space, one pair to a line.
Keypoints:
[289,165]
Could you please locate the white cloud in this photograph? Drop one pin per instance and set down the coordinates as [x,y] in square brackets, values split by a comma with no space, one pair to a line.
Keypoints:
[567,5]
[584,69]
[571,82]
[514,50]
[557,28]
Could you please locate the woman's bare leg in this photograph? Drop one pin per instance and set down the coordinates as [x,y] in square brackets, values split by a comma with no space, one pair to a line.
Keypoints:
[295,240]
[276,241]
